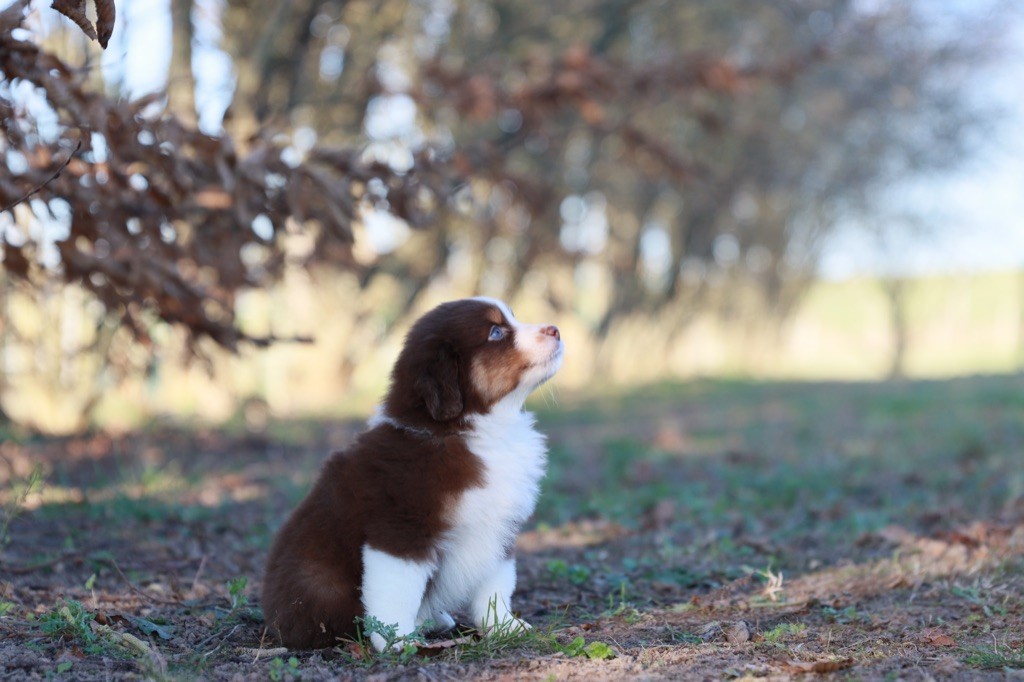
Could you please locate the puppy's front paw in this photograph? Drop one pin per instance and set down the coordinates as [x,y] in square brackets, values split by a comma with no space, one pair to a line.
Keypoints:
[378,642]
[438,622]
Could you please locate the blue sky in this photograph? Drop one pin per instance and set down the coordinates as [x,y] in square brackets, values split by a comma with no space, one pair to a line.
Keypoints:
[974,215]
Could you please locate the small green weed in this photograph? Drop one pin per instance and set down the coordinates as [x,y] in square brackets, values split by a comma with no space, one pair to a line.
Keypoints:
[783,631]
[397,649]
[595,651]
[624,608]
[844,616]
[6,607]
[995,659]
[64,666]
[69,621]
[577,574]
[14,506]
[280,670]
[236,592]
[684,637]
[239,608]
[973,595]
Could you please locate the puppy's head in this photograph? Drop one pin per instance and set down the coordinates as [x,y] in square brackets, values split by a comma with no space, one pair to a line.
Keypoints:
[465,357]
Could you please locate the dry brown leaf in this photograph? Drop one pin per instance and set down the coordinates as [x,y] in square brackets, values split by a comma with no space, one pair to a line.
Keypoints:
[436,648]
[105,14]
[738,632]
[818,667]
[75,11]
[937,638]
[358,651]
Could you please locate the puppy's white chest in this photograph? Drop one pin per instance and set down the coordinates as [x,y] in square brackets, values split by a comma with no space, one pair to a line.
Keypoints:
[514,458]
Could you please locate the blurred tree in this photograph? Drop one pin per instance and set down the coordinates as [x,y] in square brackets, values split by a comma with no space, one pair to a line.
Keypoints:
[746,175]
[662,148]
[154,217]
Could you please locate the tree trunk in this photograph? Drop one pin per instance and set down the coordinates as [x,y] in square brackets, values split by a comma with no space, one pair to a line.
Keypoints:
[895,291]
[181,82]
[1020,326]
[3,344]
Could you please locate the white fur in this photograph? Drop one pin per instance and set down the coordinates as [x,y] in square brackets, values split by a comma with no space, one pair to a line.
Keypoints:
[492,604]
[500,305]
[474,568]
[392,590]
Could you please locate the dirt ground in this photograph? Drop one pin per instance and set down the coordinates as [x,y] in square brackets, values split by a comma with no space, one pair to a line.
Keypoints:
[708,530]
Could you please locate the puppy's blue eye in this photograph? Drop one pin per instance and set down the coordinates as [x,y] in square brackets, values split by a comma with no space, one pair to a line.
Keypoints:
[497,333]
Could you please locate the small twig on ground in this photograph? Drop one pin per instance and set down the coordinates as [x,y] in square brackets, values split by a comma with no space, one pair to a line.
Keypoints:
[257,653]
[199,572]
[126,638]
[226,637]
[13,631]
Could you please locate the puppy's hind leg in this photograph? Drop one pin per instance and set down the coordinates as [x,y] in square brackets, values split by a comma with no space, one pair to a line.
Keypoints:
[393,590]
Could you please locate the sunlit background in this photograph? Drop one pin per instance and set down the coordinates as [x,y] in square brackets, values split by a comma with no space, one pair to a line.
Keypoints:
[913,268]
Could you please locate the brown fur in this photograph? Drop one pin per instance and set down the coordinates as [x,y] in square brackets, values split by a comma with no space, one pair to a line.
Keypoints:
[390,489]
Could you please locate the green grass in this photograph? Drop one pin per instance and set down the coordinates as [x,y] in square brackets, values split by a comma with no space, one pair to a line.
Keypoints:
[15,502]
[841,459]
[665,509]
[69,622]
[783,632]
[995,659]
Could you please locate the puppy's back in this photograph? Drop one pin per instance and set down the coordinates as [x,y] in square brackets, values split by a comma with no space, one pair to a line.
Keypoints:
[392,489]
[311,585]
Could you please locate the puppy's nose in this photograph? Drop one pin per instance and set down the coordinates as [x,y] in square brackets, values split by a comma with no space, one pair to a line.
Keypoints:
[551,330]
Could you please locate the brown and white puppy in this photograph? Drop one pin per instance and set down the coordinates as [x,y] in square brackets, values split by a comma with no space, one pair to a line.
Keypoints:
[418,517]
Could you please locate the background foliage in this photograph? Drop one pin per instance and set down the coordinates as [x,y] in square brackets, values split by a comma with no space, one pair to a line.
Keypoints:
[626,166]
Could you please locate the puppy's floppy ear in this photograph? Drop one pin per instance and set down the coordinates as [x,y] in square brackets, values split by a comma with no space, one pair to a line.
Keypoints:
[438,385]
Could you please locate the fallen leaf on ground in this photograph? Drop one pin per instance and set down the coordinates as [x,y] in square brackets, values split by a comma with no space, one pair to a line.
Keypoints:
[150,628]
[738,632]
[435,648]
[936,638]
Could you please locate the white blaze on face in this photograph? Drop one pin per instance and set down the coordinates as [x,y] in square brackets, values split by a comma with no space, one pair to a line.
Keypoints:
[542,351]
[500,305]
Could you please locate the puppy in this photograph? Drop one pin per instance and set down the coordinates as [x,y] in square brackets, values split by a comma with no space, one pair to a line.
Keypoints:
[418,518]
